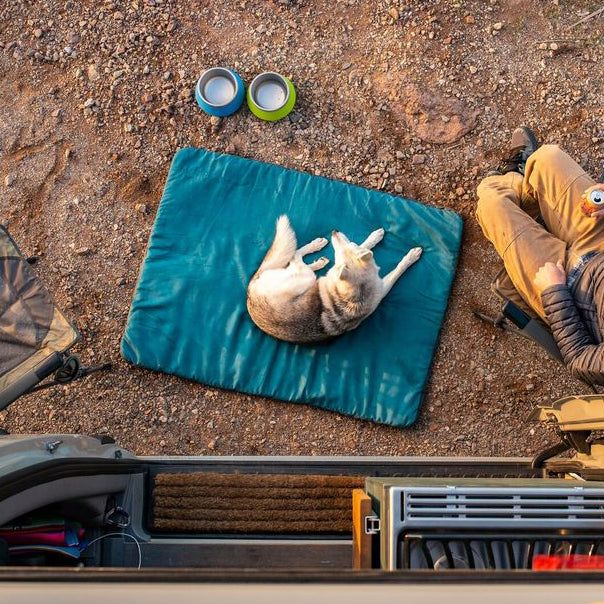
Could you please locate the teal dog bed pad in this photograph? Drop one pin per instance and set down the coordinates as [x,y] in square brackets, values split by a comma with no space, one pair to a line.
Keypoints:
[215,222]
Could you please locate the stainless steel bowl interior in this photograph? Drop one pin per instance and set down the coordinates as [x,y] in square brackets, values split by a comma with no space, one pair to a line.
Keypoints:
[217,87]
[269,91]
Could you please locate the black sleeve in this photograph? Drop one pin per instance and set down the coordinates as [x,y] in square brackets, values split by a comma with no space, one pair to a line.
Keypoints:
[581,354]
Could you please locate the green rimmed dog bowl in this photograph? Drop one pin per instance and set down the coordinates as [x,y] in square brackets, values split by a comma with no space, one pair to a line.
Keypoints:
[271,96]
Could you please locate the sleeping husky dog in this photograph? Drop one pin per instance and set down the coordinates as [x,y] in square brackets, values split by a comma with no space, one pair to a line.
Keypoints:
[287,301]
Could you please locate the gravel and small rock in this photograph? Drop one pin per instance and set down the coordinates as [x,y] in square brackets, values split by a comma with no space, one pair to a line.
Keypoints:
[413,98]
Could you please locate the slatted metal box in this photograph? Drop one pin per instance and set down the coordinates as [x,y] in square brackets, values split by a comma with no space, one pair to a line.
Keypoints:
[473,507]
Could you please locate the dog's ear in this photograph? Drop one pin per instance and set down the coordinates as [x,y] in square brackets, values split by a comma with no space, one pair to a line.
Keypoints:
[343,272]
[365,256]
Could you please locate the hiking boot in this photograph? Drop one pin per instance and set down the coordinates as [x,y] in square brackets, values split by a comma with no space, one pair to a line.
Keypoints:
[523,145]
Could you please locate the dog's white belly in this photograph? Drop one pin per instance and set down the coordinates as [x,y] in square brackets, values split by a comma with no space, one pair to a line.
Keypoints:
[289,282]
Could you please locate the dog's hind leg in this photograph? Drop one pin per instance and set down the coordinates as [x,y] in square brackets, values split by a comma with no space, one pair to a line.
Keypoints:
[373,239]
[317,265]
[410,258]
[310,248]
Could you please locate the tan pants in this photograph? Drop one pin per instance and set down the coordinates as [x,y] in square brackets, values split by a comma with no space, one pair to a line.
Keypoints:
[507,206]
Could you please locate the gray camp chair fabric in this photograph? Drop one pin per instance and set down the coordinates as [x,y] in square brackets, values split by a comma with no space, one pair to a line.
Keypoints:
[32,328]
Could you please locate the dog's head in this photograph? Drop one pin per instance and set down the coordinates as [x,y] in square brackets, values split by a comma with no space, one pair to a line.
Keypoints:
[352,263]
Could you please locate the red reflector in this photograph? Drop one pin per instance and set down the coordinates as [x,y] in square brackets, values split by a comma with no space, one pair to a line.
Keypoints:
[574,562]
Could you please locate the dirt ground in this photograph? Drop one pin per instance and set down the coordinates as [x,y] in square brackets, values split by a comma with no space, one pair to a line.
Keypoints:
[413,97]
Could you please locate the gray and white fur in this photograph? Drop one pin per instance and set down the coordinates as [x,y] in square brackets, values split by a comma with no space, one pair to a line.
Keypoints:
[288,302]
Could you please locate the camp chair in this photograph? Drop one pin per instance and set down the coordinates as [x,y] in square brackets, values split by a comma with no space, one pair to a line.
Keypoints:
[35,337]
[517,318]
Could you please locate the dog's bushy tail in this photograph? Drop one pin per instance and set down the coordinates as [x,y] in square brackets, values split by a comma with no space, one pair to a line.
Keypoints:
[283,248]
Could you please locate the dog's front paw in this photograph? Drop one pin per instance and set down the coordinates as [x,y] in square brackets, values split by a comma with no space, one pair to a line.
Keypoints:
[415,253]
[374,238]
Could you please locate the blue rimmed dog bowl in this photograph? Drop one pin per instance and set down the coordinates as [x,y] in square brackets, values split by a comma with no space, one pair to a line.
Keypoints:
[219,91]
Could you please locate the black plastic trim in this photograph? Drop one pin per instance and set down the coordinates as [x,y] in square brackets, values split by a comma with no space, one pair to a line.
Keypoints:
[472,467]
[336,576]
[55,469]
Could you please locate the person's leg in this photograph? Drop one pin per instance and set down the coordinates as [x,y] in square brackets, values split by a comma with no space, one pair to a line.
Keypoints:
[503,286]
[523,244]
[557,182]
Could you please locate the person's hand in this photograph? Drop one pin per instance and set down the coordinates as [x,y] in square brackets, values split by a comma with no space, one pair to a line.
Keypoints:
[550,274]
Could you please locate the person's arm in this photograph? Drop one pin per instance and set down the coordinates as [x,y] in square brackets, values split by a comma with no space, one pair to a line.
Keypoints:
[583,357]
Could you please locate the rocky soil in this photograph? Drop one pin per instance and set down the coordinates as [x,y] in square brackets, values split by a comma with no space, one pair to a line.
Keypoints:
[413,97]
